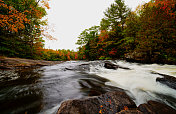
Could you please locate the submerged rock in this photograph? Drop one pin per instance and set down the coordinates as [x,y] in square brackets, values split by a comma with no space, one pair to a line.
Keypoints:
[94,87]
[153,107]
[110,65]
[109,103]
[167,80]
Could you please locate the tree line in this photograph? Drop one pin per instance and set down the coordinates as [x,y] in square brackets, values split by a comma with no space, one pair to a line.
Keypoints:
[22,30]
[147,34]
[21,27]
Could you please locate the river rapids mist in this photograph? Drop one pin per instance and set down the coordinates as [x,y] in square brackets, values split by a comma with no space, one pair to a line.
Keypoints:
[42,90]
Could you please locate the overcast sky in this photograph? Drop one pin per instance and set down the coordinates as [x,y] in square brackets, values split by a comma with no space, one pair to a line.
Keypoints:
[70,17]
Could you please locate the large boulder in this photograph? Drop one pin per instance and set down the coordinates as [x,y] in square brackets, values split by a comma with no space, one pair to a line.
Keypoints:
[109,103]
[117,102]
[153,107]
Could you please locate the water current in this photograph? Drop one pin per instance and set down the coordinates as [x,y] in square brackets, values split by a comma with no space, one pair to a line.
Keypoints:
[42,90]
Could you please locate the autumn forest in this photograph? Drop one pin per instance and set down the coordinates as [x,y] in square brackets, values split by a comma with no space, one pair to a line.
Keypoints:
[147,34]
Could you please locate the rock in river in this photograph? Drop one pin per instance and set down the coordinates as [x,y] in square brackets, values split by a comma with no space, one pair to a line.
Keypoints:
[110,65]
[108,103]
[153,107]
[116,102]
[167,80]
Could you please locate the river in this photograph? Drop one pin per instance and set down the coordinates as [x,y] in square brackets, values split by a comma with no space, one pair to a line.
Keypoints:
[42,90]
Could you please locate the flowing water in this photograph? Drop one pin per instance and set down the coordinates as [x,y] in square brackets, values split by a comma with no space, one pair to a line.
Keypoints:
[42,90]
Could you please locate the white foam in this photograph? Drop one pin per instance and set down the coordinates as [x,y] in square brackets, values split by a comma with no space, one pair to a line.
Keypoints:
[139,81]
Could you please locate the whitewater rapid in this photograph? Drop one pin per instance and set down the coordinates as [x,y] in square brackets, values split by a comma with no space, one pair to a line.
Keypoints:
[42,90]
[139,82]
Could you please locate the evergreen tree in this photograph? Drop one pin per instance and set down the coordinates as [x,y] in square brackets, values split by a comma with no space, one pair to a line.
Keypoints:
[115,16]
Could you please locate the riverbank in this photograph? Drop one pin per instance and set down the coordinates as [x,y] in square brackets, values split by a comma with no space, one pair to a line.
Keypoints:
[18,63]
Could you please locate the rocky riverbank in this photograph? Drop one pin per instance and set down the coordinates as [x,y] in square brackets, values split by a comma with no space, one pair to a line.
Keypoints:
[116,102]
[18,63]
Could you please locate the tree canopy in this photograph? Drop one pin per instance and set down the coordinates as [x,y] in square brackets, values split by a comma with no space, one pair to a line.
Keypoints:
[147,34]
[115,16]
[21,27]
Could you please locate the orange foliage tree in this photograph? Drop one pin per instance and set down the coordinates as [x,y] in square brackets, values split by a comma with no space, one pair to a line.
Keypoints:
[21,23]
[12,19]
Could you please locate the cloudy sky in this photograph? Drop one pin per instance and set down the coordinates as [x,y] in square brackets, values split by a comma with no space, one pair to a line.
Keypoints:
[70,17]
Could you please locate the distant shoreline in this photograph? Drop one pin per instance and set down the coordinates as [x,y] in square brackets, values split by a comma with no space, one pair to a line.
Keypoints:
[7,63]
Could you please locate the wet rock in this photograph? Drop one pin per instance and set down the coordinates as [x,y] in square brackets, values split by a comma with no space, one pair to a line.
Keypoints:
[84,64]
[109,103]
[167,80]
[110,65]
[95,87]
[84,67]
[153,107]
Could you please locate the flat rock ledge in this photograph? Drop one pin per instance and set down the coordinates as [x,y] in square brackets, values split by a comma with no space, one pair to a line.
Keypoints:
[18,63]
[115,102]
